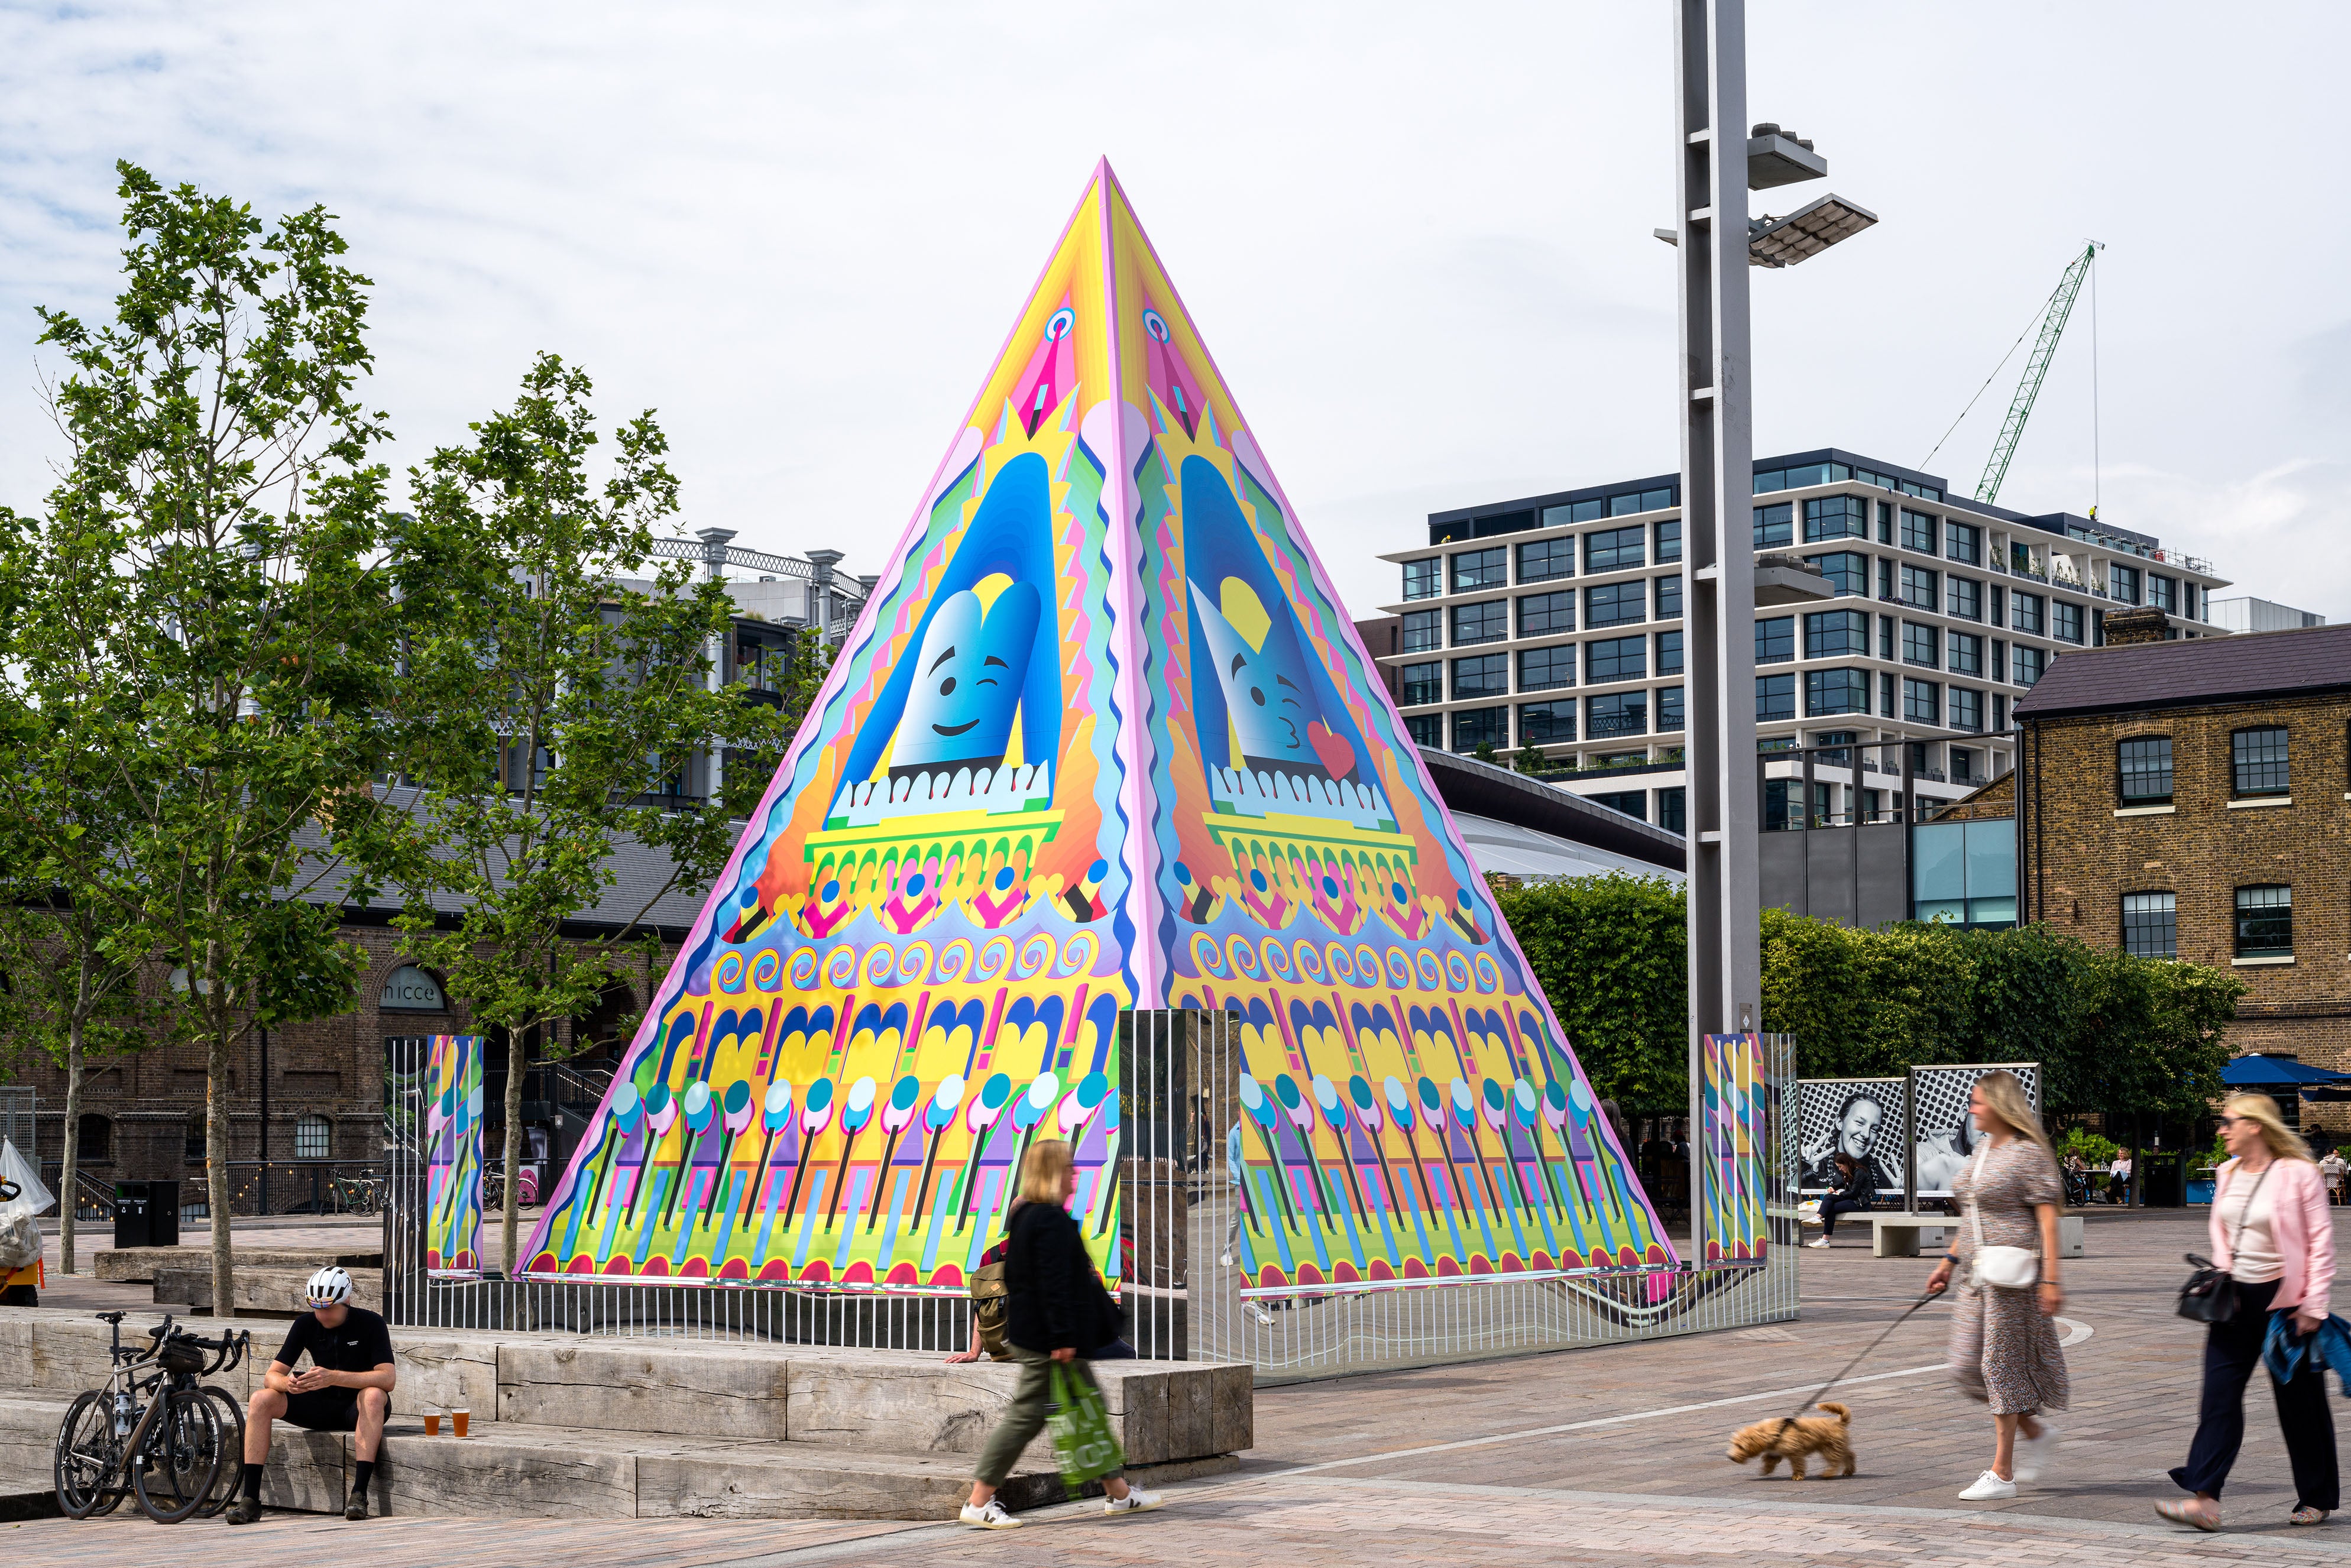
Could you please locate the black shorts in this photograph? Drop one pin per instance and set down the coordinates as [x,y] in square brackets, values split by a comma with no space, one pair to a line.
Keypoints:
[325,1409]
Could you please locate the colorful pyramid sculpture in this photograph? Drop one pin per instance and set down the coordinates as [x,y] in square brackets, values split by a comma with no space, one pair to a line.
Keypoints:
[1104,738]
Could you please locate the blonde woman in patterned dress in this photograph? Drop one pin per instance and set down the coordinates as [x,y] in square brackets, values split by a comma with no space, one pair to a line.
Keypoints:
[2003,1346]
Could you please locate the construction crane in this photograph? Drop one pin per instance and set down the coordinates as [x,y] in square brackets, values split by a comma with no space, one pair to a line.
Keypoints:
[2044,348]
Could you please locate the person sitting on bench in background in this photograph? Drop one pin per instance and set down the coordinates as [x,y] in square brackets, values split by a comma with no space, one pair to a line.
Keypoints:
[1853,1185]
[347,1389]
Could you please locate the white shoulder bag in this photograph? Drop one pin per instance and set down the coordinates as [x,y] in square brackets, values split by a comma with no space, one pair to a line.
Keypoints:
[2001,1268]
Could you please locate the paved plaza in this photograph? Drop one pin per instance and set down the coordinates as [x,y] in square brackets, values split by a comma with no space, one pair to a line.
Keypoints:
[1602,1456]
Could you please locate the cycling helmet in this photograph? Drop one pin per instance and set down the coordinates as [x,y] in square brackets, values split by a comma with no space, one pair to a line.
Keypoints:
[328,1287]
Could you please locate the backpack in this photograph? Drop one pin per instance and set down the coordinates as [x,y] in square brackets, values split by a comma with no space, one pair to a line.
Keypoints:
[991,1309]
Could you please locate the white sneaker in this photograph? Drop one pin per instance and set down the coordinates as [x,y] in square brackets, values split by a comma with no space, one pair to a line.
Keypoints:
[1989,1487]
[1224,1259]
[2036,1457]
[989,1515]
[1136,1500]
[1261,1314]
[1818,1241]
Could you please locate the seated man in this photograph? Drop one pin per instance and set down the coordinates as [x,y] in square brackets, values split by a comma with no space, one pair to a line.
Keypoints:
[347,1389]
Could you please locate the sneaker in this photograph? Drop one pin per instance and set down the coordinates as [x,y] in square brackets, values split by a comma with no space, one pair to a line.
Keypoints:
[989,1515]
[2035,1456]
[1818,1241]
[244,1510]
[1136,1500]
[1260,1315]
[1987,1488]
[356,1510]
[1224,1259]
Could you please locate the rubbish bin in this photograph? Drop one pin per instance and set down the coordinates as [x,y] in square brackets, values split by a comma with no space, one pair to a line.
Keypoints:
[147,1214]
[2164,1177]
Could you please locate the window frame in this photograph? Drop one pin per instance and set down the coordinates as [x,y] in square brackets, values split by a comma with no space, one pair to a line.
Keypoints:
[2124,772]
[1550,709]
[1637,533]
[1592,649]
[1854,684]
[1636,587]
[1771,693]
[1432,581]
[1500,621]
[1554,551]
[1430,623]
[1482,666]
[1549,605]
[2238,763]
[1553,657]
[2145,920]
[1497,557]
[1918,634]
[2248,940]
[1775,646]
[1820,636]
[1920,532]
[1625,705]
[1426,675]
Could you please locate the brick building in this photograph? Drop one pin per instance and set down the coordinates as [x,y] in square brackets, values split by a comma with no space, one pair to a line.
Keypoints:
[2192,800]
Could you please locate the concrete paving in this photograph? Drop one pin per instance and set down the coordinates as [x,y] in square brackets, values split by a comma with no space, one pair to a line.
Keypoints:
[1601,1456]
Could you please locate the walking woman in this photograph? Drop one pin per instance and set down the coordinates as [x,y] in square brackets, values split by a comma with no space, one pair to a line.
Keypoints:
[2273,1235]
[1853,1187]
[1057,1312]
[2003,1347]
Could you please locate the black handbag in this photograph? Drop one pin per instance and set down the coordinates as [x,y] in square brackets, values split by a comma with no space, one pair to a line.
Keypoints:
[2210,1294]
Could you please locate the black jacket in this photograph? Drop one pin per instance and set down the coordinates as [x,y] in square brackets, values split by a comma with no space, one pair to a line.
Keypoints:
[1054,1302]
[1862,1186]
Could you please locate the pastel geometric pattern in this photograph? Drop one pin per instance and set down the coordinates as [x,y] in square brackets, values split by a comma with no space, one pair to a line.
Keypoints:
[1101,740]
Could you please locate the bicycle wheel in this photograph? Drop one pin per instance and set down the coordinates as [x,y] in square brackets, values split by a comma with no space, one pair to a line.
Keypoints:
[232,1470]
[181,1457]
[88,1454]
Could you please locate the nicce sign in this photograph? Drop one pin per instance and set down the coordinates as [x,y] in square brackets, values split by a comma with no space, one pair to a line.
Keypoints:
[411,991]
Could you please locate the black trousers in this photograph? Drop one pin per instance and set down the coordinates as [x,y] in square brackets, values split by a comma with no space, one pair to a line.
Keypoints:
[2232,1351]
[1835,1204]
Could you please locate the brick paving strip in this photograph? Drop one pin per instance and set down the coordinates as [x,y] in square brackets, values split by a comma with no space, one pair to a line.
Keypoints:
[1593,1456]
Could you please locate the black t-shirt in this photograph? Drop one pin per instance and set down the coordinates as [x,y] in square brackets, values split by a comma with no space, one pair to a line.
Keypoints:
[361,1344]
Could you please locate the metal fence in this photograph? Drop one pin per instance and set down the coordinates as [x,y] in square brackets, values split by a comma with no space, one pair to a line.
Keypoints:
[1179,1090]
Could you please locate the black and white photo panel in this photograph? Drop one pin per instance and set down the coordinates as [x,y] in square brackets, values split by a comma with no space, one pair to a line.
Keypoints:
[1866,1118]
[1944,1135]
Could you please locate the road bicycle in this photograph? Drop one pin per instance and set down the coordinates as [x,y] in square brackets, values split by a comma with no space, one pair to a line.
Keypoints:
[359,1193]
[155,1432]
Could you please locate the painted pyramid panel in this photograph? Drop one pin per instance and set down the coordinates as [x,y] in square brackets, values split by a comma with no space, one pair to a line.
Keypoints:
[1101,740]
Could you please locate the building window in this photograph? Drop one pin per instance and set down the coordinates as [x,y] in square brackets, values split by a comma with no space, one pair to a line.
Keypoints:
[1614,549]
[1669,652]
[1669,541]
[1426,728]
[1486,675]
[1617,604]
[1626,713]
[1775,640]
[1615,659]
[1547,614]
[1477,726]
[1967,710]
[1917,531]
[95,1136]
[1999,714]
[1837,634]
[1885,697]
[2264,922]
[1669,709]
[1963,763]
[1423,631]
[2144,767]
[1775,697]
[1967,599]
[192,1142]
[1669,598]
[2163,592]
[1835,691]
[314,1138]
[2065,621]
[1421,578]
[1997,666]
[1998,600]
[1673,809]
[1967,653]
[1835,518]
[1422,683]
[1476,568]
[1775,526]
[1922,701]
[1847,571]
[2122,582]
[1542,560]
[2024,612]
[1884,578]
[1918,587]
[1488,621]
[1546,724]
[1921,645]
[2151,925]
[2032,663]
[1633,803]
[2258,758]
[1543,669]
[1885,637]
[1962,542]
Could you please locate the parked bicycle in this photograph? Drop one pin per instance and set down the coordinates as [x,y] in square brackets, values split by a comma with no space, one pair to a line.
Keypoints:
[156,1432]
[359,1195]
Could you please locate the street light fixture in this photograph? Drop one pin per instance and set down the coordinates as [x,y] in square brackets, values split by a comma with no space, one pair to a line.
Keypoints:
[1776,159]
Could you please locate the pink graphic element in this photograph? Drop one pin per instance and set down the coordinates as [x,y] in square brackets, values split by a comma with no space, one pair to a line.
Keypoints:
[1052,374]
[1166,372]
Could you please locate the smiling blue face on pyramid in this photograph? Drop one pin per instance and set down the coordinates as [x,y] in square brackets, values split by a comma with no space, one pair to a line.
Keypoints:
[967,679]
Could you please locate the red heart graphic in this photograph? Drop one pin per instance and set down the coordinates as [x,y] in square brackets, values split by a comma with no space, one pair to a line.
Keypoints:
[1338,756]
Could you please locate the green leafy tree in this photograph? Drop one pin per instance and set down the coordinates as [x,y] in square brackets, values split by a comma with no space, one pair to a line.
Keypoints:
[566,706]
[231,629]
[1612,954]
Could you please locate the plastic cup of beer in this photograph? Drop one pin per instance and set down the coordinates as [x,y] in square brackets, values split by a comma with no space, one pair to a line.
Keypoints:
[457,1420]
[432,1423]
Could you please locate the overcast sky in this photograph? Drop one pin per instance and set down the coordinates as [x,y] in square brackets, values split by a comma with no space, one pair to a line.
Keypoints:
[1417,239]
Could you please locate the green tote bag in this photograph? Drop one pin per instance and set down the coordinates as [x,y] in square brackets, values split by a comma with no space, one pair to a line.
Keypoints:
[1082,1440]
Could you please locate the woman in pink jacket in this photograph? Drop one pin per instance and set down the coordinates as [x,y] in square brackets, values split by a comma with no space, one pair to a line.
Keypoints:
[2272,1232]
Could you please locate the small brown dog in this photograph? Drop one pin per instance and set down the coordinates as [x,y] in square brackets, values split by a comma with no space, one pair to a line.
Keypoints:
[1792,1440]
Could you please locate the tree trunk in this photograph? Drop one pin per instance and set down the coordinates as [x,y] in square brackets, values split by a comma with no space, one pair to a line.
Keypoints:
[70,1194]
[518,1053]
[216,1153]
